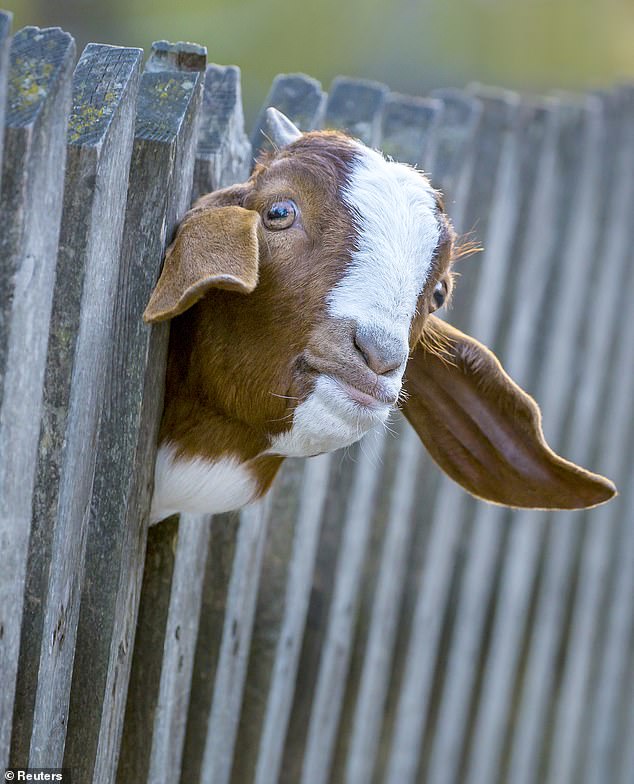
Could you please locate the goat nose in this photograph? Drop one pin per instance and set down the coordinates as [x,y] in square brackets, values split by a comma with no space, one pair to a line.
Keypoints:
[382,352]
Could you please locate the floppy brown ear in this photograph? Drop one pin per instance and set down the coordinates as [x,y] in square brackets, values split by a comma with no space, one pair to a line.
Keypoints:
[484,431]
[215,247]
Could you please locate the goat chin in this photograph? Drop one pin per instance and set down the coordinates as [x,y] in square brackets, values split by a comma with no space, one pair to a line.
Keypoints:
[328,419]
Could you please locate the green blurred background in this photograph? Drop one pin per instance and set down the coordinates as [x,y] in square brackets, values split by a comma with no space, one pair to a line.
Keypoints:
[412,45]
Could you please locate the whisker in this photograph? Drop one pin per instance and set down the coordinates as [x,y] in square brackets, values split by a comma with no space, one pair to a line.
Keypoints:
[390,430]
[286,418]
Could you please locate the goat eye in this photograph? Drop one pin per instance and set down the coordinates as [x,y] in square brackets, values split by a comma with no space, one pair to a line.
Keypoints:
[439,295]
[280,215]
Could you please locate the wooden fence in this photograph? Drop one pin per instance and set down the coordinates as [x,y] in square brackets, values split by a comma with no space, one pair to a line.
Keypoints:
[368,623]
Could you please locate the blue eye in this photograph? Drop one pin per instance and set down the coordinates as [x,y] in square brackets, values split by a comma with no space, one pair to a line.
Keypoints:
[280,215]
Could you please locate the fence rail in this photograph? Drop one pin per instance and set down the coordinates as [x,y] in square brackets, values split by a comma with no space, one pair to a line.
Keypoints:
[367,622]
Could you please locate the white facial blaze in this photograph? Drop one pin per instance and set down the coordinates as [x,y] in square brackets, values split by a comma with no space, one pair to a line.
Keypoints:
[395,212]
[394,209]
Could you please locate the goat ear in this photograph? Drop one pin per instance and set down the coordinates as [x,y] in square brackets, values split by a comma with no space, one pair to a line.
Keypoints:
[484,431]
[280,130]
[215,248]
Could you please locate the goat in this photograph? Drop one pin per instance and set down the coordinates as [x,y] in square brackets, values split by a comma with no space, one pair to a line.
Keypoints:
[301,306]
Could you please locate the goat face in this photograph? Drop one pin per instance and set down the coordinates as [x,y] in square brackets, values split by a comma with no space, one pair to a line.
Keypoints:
[368,255]
[346,251]
[297,299]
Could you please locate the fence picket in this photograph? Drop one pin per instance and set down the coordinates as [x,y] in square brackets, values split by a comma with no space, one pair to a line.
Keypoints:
[5,45]
[609,692]
[375,678]
[185,597]
[99,147]
[355,106]
[230,674]
[407,125]
[602,529]
[158,194]
[38,105]
[555,588]
[451,155]
[224,152]
[331,681]
[537,141]
[299,582]
[300,98]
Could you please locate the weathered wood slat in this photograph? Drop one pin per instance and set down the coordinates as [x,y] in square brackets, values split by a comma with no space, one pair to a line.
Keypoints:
[270,614]
[220,556]
[489,526]
[341,477]
[612,435]
[622,757]
[555,587]
[300,98]
[30,209]
[223,156]
[488,176]
[538,132]
[228,691]
[179,56]
[159,188]
[495,265]
[610,689]
[355,106]
[170,713]
[149,645]
[452,148]
[5,45]
[331,682]
[407,125]
[298,586]
[375,678]
[97,163]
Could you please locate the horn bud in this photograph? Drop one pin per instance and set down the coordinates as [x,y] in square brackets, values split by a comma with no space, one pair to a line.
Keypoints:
[280,130]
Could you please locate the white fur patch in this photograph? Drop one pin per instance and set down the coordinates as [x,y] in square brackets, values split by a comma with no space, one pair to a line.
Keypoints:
[395,212]
[327,420]
[198,486]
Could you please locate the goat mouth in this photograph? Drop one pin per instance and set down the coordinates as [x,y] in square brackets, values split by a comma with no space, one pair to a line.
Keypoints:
[376,398]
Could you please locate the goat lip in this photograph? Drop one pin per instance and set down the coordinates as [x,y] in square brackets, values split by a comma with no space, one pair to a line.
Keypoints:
[375,399]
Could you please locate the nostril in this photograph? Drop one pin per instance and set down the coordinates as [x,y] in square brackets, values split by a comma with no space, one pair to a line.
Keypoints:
[382,353]
[364,349]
